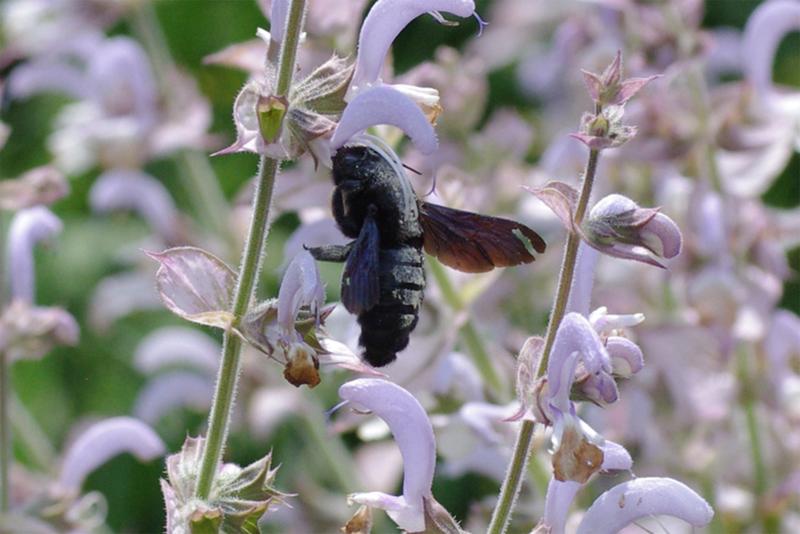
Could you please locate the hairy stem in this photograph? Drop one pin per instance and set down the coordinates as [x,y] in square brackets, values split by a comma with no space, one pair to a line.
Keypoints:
[5,431]
[513,481]
[469,334]
[227,378]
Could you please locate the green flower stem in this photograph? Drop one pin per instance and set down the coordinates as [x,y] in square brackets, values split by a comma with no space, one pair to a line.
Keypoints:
[199,180]
[336,457]
[30,436]
[469,334]
[770,521]
[513,481]
[5,431]
[246,282]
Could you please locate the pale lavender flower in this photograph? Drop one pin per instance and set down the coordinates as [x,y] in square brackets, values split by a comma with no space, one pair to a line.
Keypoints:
[383,23]
[127,189]
[177,346]
[118,295]
[414,436]
[643,497]
[617,226]
[177,389]
[764,30]
[28,227]
[104,440]
[576,340]
[384,105]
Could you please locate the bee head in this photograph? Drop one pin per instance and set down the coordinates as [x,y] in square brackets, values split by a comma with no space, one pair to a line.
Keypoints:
[355,162]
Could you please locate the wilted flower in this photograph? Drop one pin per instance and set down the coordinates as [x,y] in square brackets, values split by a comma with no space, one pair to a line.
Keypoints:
[42,185]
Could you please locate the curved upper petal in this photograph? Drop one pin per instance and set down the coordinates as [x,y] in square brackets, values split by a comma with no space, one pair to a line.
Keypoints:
[384,105]
[104,440]
[642,497]
[765,29]
[28,227]
[384,22]
[413,433]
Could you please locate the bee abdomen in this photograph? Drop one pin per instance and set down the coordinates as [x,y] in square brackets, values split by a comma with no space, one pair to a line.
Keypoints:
[385,328]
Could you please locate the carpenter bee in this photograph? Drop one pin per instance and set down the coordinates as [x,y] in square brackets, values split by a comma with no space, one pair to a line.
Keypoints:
[384,277]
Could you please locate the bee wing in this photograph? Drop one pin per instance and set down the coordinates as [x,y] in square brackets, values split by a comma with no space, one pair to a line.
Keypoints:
[475,243]
[361,278]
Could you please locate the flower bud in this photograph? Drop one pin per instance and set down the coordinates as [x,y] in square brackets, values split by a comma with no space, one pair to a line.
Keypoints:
[617,226]
[607,88]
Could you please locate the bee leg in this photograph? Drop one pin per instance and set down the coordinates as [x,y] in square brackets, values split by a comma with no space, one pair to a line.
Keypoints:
[333,253]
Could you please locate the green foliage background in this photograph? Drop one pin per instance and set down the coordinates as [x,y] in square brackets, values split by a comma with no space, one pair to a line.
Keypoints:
[95,379]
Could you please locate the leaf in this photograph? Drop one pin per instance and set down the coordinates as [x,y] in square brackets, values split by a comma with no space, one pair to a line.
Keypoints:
[561,198]
[196,285]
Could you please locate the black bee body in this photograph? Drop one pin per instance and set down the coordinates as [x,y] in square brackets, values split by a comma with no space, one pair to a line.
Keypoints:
[384,276]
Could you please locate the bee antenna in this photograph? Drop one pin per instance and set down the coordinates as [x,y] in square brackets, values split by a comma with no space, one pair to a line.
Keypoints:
[433,187]
[412,169]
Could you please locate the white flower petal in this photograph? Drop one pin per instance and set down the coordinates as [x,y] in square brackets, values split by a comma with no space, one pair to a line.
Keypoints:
[173,346]
[384,22]
[384,105]
[643,497]
[413,433]
[105,440]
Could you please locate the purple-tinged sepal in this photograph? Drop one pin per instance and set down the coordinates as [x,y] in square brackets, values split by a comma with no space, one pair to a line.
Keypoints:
[617,226]
[286,127]
[603,130]
[608,88]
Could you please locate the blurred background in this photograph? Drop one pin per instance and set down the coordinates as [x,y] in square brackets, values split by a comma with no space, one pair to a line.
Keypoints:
[96,378]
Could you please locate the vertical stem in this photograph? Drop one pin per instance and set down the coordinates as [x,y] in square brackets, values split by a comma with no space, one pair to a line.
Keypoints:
[470,335]
[513,481]
[5,431]
[245,285]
